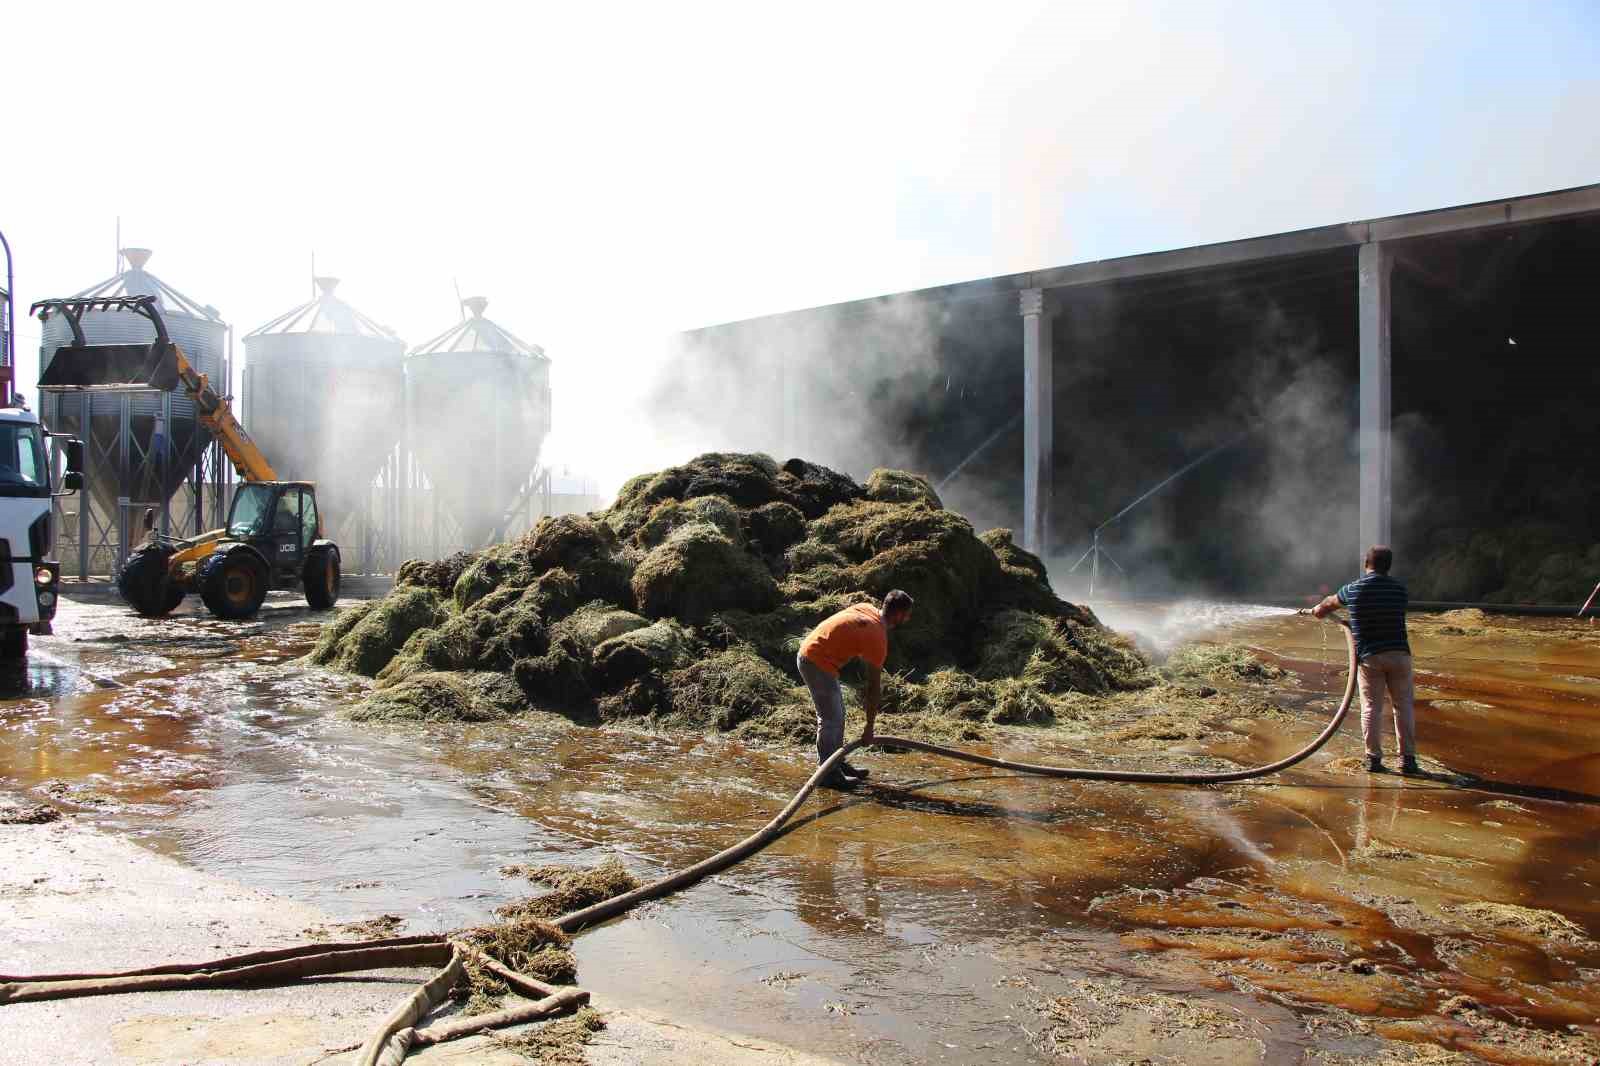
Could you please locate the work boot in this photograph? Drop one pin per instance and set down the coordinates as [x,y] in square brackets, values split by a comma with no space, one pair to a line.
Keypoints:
[838,782]
[1410,766]
[1375,765]
[853,773]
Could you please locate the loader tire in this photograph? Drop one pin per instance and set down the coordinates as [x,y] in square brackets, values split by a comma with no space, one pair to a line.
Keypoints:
[321,578]
[235,584]
[145,582]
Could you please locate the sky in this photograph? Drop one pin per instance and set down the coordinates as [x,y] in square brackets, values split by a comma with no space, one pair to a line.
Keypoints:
[610,174]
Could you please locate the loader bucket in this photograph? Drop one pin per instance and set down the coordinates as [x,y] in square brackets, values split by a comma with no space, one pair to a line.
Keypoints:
[76,367]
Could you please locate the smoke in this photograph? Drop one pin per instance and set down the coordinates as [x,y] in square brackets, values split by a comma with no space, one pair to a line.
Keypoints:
[1242,380]
[901,383]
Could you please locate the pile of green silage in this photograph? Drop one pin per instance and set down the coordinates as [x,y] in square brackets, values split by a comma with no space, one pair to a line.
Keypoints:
[684,604]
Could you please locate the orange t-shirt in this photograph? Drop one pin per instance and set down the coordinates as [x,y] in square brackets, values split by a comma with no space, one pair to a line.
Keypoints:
[857,632]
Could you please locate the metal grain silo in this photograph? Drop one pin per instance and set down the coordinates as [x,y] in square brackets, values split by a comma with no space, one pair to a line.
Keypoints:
[324,389]
[479,411]
[142,447]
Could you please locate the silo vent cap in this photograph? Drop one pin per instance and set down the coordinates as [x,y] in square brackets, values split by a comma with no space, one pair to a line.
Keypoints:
[137,257]
[327,285]
[476,305]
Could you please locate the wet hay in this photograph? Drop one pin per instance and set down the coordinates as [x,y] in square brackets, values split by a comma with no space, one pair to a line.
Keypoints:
[1221,662]
[559,1043]
[571,888]
[1529,921]
[383,925]
[684,604]
[36,814]
[528,945]
[449,696]
[524,938]
[363,639]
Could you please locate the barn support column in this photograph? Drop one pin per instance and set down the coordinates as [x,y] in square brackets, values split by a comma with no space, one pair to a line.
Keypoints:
[1375,265]
[1038,418]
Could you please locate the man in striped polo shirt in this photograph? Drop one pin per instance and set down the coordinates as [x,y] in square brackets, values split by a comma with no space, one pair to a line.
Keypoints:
[1377,604]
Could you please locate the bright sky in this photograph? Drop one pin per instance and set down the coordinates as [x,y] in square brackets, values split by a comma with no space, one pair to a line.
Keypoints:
[608,174]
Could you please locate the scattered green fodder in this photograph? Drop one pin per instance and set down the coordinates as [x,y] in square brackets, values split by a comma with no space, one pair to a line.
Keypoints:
[897,486]
[1221,662]
[479,991]
[528,945]
[441,576]
[660,646]
[557,1043]
[670,515]
[572,888]
[558,679]
[698,571]
[724,690]
[774,527]
[453,696]
[595,623]
[378,631]
[1057,655]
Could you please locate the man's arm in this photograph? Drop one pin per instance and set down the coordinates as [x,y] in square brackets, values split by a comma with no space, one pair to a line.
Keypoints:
[1328,605]
[874,694]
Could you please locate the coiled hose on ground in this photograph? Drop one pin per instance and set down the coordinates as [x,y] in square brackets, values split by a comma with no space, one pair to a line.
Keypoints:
[398,1033]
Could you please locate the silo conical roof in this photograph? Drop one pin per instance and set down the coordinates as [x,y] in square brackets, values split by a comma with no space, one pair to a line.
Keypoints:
[325,314]
[478,334]
[137,281]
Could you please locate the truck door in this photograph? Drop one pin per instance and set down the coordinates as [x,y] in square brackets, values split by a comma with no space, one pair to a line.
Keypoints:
[287,548]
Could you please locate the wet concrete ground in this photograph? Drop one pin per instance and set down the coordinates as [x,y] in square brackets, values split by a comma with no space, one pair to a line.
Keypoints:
[943,915]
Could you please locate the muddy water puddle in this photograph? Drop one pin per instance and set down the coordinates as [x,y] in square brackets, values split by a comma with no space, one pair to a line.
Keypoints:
[941,914]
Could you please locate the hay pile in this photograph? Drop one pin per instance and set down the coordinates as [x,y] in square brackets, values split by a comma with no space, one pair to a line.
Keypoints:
[1527,561]
[684,605]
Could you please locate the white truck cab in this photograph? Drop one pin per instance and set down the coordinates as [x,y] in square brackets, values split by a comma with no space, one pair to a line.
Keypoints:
[30,575]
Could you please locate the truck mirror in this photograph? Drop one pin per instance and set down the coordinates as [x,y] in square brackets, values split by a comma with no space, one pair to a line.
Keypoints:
[71,481]
[75,459]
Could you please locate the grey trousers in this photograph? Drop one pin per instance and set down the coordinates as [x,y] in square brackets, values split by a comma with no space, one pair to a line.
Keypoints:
[829,698]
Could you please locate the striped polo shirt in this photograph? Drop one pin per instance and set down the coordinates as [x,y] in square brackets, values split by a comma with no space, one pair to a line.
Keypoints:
[1377,604]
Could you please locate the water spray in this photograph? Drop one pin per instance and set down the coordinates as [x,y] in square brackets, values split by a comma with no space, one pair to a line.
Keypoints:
[979,450]
[1096,551]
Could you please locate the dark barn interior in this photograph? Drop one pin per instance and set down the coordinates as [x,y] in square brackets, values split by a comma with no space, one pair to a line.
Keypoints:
[1252,366]
[1497,412]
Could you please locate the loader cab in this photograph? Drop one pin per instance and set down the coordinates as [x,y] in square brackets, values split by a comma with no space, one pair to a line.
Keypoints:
[278,517]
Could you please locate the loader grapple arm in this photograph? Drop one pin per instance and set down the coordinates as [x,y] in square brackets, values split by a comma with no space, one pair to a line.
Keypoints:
[159,365]
[81,365]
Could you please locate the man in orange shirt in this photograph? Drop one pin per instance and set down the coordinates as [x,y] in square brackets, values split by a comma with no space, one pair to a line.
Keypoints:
[860,631]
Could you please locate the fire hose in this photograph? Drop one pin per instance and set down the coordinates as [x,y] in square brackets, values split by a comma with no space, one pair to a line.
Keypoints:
[399,1033]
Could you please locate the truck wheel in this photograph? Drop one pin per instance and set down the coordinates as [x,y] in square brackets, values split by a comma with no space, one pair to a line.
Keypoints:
[321,578]
[14,644]
[146,584]
[234,585]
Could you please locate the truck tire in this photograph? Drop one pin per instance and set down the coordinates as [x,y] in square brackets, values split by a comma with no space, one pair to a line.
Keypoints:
[321,578]
[233,585]
[145,582]
[13,644]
